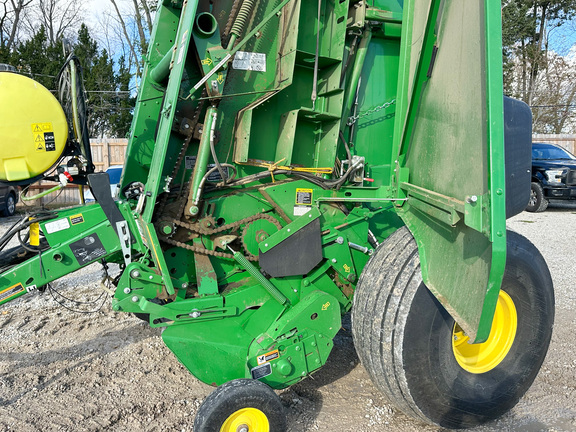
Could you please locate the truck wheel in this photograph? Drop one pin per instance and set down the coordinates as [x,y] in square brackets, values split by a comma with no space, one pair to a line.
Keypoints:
[417,355]
[538,202]
[241,405]
[10,205]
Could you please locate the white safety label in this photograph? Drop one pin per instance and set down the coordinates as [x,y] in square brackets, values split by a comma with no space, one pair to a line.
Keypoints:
[301,210]
[249,61]
[59,225]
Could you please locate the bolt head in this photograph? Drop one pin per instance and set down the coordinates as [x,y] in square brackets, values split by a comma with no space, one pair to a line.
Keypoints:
[334,260]
[127,290]
[195,314]
[242,428]
[340,240]
[135,299]
[134,274]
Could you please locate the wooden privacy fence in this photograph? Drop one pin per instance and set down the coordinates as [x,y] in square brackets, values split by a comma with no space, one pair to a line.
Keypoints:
[105,152]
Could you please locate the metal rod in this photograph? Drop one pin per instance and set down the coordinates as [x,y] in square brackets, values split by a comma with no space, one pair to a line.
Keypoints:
[316,58]
[256,274]
[202,158]
[357,70]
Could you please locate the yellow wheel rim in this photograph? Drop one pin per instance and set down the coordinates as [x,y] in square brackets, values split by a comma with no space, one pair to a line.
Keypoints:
[246,420]
[483,357]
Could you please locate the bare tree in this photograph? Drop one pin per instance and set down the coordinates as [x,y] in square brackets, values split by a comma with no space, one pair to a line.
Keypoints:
[11,14]
[58,17]
[134,22]
[132,43]
[554,97]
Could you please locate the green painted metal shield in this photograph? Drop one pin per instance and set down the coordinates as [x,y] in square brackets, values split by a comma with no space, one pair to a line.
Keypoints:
[450,165]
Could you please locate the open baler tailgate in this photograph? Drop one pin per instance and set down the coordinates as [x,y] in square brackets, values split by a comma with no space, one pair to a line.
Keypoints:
[450,165]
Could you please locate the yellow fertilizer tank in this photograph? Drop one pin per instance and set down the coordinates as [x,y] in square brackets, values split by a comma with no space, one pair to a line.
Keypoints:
[33,128]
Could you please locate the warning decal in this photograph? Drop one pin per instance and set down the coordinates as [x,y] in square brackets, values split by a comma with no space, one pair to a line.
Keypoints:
[42,127]
[261,371]
[265,358]
[304,197]
[76,219]
[49,141]
[88,249]
[11,292]
[59,225]
[249,61]
[303,201]
[44,137]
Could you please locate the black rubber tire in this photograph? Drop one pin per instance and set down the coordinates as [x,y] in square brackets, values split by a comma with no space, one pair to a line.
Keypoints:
[9,205]
[403,336]
[538,202]
[236,395]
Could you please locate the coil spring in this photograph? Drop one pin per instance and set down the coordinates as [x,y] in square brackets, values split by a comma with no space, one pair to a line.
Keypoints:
[243,15]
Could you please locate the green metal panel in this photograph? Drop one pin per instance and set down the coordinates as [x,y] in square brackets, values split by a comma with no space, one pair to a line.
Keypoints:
[450,154]
[345,75]
[65,254]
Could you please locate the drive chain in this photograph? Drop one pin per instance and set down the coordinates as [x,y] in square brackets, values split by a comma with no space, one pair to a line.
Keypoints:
[200,249]
[233,225]
[181,156]
[207,231]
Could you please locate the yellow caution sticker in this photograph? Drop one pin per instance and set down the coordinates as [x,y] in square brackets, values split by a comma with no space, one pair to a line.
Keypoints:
[303,201]
[44,140]
[38,128]
[76,219]
[304,197]
[13,291]
[268,357]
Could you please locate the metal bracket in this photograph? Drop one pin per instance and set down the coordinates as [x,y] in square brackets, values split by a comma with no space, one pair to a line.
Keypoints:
[124,236]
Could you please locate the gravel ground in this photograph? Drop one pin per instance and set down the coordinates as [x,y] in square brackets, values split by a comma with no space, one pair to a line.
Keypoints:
[65,371]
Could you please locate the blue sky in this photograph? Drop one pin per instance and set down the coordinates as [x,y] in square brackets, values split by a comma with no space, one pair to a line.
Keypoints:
[562,39]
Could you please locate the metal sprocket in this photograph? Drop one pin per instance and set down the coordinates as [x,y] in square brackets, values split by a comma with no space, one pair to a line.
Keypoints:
[256,232]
